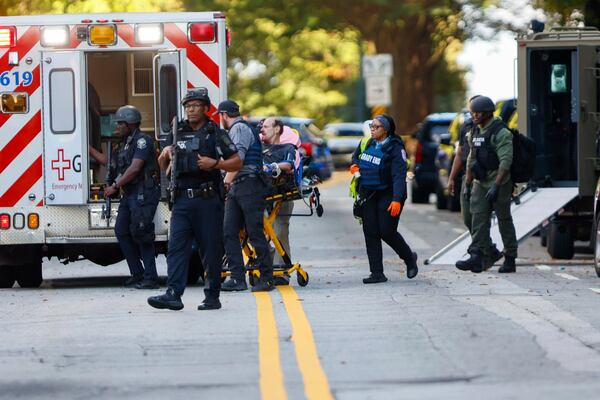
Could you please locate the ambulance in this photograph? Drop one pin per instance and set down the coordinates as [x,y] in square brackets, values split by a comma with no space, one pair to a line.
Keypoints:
[62,77]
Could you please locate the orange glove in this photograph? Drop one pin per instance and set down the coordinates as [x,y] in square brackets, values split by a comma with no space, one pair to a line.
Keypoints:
[394,208]
[353,169]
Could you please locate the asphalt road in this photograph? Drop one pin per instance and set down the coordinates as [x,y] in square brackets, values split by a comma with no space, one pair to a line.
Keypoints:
[446,334]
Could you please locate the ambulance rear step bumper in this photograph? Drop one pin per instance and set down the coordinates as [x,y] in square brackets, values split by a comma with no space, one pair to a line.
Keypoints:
[535,208]
[92,239]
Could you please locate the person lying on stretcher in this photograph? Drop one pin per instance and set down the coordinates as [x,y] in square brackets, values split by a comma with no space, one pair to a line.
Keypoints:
[279,159]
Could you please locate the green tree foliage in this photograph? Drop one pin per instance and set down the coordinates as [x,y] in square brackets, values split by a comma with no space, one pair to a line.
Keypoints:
[417,33]
[565,8]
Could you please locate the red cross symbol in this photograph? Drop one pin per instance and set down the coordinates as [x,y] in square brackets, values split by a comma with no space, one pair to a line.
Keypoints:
[61,164]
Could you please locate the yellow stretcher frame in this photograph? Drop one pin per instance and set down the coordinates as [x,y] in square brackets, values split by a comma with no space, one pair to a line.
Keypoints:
[249,253]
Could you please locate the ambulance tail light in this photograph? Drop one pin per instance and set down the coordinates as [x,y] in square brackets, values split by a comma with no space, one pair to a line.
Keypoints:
[33,221]
[8,36]
[54,36]
[19,221]
[149,34]
[4,221]
[102,35]
[202,32]
[228,37]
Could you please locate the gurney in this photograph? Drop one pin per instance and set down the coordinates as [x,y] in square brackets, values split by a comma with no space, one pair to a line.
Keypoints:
[284,188]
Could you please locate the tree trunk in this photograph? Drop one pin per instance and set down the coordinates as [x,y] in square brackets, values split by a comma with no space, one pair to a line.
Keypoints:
[412,84]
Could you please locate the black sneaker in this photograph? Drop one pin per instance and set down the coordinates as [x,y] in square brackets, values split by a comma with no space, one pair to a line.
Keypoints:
[375,278]
[209,303]
[509,265]
[412,269]
[234,285]
[147,285]
[168,300]
[263,285]
[132,281]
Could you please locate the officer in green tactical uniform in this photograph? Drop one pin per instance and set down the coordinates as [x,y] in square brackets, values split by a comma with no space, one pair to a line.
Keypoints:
[492,254]
[489,185]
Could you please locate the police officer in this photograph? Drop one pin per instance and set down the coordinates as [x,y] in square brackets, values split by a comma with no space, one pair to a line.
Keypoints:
[245,204]
[488,184]
[492,254]
[382,186]
[139,179]
[201,151]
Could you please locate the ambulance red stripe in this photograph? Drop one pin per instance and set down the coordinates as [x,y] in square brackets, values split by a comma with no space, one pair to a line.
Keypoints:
[23,184]
[18,143]
[194,53]
[35,84]
[26,42]
[126,33]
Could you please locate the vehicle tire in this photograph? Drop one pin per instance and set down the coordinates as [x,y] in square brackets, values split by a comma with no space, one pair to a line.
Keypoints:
[195,269]
[596,244]
[560,241]
[419,196]
[7,277]
[441,201]
[29,275]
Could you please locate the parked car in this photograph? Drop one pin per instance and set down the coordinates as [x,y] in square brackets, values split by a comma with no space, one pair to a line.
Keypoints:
[430,134]
[342,139]
[314,146]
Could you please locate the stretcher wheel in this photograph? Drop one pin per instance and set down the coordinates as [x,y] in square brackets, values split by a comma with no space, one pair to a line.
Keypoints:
[302,277]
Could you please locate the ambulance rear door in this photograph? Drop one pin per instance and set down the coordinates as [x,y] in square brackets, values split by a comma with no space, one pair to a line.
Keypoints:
[64,119]
[169,87]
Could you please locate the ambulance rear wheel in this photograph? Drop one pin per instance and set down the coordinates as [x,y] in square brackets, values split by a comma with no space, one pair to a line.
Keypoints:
[302,277]
[29,275]
[7,277]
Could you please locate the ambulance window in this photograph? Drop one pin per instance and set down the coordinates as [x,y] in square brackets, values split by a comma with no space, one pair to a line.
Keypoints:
[142,74]
[62,101]
[14,103]
[168,96]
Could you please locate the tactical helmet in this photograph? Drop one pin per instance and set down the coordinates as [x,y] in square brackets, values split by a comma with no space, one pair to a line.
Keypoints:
[128,114]
[482,104]
[196,94]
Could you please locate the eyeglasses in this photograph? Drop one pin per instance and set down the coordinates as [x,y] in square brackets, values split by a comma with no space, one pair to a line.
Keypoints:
[374,126]
[194,105]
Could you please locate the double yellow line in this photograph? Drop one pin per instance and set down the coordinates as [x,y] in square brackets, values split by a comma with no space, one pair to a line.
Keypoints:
[272,387]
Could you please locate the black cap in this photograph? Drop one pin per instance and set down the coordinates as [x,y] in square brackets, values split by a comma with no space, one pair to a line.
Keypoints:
[228,106]
[482,104]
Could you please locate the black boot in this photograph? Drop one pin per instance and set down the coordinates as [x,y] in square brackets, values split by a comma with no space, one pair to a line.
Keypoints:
[378,277]
[508,266]
[491,259]
[211,302]
[147,284]
[234,285]
[168,300]
[473,264]
[133,280]
[411,267]
[264,285]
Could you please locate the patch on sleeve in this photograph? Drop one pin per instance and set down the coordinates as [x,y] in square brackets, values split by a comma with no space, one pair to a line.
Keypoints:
[141,143]
[404,154]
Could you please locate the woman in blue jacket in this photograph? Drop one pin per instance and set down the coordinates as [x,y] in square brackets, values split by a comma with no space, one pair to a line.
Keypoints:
[382,168]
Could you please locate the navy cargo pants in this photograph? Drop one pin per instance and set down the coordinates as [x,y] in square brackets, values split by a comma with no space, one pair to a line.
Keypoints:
[132,207]
[199,219]
[245,207]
